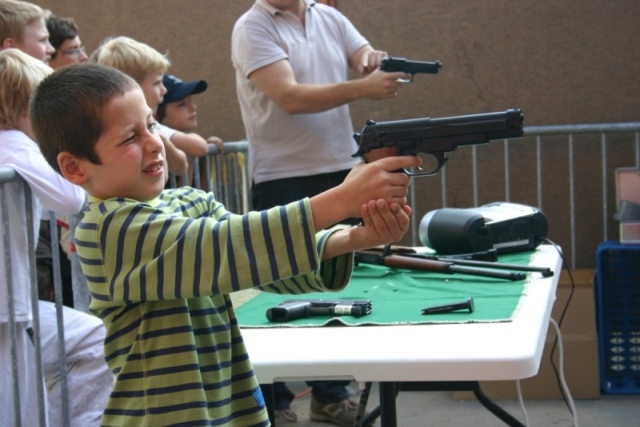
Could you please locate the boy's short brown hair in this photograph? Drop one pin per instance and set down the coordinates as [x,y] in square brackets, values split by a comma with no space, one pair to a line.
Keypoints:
[130,56]
[67,109]
[20,74]
[60,29]
[15,16]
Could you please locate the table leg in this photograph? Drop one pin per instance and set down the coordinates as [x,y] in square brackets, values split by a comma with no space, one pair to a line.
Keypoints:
[388,416]
[389,391]
[362,406]
[494,408]
[269,400]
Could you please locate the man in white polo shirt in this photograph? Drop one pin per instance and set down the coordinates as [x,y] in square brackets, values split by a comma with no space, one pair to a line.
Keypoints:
[292,59]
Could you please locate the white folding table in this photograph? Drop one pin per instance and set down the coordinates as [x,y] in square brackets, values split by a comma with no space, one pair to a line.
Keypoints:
[431,353]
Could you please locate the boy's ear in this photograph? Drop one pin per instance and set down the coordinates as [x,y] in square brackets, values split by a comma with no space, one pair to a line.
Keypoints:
[8,42]
[71,169]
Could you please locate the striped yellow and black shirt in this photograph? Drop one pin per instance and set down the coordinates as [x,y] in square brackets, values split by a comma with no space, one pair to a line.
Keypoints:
[160,273]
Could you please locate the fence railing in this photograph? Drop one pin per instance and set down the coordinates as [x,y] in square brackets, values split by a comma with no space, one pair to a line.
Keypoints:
[553,156]
[8,176]
[604,131]
[566,171]
[227,175]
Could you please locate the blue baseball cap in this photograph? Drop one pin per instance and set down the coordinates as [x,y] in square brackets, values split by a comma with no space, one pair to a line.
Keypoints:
[178,89]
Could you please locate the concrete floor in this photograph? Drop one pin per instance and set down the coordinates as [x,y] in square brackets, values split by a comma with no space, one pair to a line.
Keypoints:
[421,409]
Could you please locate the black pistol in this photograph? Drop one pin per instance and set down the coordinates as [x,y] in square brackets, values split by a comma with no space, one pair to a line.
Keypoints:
[393,64]
[299,308]
[435,137]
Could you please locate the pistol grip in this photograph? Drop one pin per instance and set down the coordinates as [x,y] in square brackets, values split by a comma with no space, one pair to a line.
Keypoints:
[380,153]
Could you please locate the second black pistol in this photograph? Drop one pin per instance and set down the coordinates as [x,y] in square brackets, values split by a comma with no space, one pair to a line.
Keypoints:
[299,308]
[393,64]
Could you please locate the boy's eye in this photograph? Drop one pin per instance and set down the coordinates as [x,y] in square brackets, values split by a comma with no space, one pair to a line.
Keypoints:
[154,126]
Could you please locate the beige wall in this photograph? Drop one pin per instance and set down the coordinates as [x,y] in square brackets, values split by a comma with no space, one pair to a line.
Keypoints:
[561,61]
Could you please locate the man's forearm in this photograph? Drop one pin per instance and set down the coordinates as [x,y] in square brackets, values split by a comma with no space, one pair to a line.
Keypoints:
[316,98]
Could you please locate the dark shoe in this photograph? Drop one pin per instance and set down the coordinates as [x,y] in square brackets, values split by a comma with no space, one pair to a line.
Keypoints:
[341,413]
[284,416]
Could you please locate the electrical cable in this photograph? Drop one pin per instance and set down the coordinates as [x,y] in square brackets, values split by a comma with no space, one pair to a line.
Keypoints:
[521,400]
[560,320]
[563,382]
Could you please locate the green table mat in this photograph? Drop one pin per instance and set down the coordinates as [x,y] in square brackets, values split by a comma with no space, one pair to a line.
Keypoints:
[398,297]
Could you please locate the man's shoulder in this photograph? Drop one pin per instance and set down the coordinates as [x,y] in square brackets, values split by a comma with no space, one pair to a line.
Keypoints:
[326,10]
[256,15]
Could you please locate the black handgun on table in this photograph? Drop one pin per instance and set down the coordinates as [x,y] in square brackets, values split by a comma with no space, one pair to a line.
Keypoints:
[299,308]
[392,64]
[436,137]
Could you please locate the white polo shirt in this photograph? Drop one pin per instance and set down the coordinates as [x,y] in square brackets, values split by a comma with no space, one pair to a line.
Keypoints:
[283,145]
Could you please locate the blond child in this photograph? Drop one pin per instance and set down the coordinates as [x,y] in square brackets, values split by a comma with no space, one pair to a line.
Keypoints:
[147,66]
[161,264]
[22,26]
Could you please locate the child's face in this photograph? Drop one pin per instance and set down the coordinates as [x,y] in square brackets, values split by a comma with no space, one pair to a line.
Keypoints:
[130,150]
[181,115]
[70,51]
[153,89]
[35,41]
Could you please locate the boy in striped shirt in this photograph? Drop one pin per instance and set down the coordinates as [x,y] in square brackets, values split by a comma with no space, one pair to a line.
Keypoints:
[161,264]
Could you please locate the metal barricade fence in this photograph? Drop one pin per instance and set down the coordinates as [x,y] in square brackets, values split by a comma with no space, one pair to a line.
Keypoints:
[572,134]
[9,176]
[566,171]
[227,175]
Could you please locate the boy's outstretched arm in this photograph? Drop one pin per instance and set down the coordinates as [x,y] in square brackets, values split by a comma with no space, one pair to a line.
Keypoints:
[383,223]
[365,182]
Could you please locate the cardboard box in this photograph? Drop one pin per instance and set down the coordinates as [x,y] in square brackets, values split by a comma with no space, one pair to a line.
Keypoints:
[630,233]
[580,342]
[628,184]
[628,190]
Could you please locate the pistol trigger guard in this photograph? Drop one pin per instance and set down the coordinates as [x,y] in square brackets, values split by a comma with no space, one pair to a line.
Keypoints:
[409,80]
[440,157]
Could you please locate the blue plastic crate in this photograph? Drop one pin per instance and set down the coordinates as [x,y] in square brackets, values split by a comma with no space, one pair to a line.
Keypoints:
[618,305]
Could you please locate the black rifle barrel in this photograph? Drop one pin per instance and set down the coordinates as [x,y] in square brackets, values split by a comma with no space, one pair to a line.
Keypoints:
[486,272]
[546,271]
[438,266]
